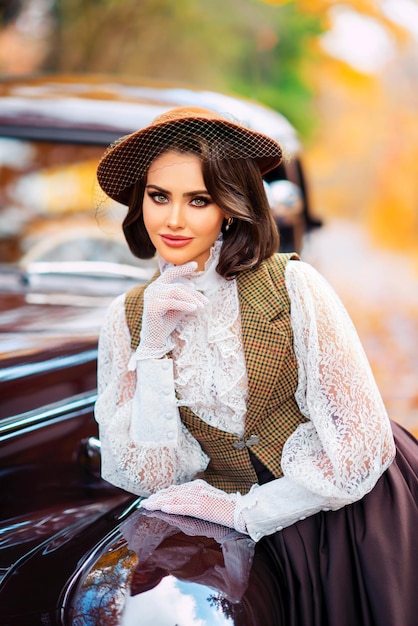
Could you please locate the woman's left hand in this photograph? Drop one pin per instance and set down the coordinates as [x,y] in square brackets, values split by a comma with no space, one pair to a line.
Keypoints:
[197,499]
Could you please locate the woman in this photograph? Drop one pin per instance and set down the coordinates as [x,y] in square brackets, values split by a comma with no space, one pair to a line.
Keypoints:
[233,387]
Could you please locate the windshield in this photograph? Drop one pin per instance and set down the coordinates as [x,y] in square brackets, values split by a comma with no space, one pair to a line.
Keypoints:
[47,206]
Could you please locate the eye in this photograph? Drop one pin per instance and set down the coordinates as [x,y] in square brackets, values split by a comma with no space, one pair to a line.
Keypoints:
[201,201]
[158,198]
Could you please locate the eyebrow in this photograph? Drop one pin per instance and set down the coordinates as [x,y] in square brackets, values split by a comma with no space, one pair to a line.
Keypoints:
[188,194]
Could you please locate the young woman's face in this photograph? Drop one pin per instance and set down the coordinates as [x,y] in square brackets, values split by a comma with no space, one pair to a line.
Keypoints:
[181,219]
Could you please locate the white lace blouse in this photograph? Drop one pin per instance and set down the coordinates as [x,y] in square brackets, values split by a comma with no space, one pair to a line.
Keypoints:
[332,460]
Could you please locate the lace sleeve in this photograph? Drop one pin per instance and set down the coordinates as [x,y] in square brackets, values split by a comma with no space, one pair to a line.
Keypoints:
[339,454]
[138,453]
[348,442]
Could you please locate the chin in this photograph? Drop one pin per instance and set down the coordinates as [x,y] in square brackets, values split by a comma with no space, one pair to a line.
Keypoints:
[175,258]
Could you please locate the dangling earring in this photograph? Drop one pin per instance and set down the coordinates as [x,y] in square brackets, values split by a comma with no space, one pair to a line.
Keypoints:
[228,223]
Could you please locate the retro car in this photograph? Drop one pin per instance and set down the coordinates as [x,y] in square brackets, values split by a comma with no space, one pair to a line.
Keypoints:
[53,130]
[74,549]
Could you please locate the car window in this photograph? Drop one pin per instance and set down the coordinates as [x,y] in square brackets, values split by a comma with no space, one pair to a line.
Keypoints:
[47,205]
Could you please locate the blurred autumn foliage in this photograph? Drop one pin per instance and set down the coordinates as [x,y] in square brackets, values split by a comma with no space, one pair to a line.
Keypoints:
[364,155]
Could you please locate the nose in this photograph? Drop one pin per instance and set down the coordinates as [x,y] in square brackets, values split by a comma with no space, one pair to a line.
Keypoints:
[175,216]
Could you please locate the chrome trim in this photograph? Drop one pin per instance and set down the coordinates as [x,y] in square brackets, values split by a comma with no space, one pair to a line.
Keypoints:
[20,371]
[94,269]
[72,135]
[93,446]
[49,414]
[132,507]
[89,455]
[3,572]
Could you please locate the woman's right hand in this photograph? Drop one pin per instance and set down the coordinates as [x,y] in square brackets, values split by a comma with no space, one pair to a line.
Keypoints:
[166,301]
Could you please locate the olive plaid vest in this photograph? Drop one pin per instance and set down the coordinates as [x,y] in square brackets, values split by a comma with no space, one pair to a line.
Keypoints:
[272,412]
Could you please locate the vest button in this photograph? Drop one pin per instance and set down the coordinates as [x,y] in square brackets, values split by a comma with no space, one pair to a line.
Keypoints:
[240,444]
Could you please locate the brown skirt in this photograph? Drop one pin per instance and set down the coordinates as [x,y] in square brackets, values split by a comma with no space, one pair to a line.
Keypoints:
[357,566]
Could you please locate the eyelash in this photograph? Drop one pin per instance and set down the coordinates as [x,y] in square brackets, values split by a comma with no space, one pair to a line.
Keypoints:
[205,201]
[155,196]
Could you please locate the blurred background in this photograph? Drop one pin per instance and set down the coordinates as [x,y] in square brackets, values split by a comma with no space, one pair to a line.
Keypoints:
[344,74]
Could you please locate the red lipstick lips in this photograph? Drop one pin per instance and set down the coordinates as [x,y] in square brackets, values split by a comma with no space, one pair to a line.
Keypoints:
[175,242]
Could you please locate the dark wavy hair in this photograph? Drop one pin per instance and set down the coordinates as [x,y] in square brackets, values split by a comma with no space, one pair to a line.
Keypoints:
[236,186]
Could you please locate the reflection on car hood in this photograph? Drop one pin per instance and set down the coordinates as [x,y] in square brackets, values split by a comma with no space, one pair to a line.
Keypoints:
[123,565]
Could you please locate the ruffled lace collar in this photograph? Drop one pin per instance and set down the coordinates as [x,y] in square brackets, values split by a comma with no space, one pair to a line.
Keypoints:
[209,365]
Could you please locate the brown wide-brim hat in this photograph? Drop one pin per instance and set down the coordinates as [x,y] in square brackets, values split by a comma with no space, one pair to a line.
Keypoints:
[128,158]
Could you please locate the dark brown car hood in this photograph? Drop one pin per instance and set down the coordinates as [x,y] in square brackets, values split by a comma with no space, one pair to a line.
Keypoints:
[47,351]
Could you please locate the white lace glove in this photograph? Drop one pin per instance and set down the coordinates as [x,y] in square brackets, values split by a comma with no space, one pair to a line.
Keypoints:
[166,300]
[198,499]
[193,526]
